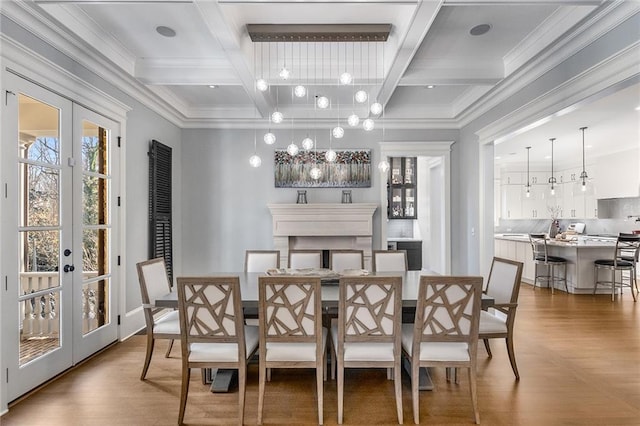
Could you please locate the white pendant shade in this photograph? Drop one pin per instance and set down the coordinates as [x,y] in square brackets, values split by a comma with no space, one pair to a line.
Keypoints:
[353,120]
[368,124]
[293,149]
[255,161]
[269,138]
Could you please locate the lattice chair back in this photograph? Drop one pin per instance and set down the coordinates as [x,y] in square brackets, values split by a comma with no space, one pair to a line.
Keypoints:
[448,310]
[371,308]
[290,309]
[211,311]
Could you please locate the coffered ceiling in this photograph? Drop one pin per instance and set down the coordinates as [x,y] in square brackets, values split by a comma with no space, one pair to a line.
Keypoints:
[429,44]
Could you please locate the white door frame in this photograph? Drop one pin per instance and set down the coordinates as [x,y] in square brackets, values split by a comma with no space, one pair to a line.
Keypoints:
[420,149]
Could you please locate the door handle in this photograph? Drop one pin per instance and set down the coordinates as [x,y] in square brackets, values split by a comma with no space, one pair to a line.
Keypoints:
[69,268]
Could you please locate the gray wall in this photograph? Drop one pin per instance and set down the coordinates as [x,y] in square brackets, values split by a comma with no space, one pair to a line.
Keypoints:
[228,199]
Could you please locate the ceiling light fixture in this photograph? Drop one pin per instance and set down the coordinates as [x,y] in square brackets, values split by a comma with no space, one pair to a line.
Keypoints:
[166,31]
[552,180]
[376,107]
[255,160]
[383,165]
[479,30]
[528,185]
[585,184]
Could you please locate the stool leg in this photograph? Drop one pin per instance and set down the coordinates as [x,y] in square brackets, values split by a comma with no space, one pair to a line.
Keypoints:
[552,270]
[595,279]
[535,274]
[566,287]
[613,285]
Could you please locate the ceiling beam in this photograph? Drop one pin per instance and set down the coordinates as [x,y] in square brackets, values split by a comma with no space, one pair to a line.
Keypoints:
[230,38]
[421,21]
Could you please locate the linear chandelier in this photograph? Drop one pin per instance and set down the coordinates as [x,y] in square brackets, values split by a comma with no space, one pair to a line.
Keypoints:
[341,58]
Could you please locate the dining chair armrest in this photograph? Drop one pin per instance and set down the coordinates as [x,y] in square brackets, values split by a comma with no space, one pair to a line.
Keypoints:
[504,305]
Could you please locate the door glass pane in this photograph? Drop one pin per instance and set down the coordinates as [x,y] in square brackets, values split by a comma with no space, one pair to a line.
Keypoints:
[396,202]
[39,188]
[43,192]
[95,261]
[95,309]
[39,325]
[93,200]
[396,170]
[40,252]
[94,148]
[96,221]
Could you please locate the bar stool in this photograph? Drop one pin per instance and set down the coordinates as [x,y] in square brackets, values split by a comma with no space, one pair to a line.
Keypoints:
[541,257]
[625,258]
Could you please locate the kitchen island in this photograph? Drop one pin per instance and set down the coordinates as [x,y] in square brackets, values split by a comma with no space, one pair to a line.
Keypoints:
[580,255]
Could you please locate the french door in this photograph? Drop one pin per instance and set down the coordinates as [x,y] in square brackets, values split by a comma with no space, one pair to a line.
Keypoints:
[59,229]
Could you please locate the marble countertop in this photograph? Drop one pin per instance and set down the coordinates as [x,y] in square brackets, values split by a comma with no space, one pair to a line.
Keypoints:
[580,242]
[404,239]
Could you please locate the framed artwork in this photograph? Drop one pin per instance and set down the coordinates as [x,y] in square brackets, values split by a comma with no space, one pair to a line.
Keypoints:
[352,169]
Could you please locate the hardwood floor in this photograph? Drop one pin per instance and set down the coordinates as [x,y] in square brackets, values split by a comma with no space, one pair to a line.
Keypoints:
[578,356]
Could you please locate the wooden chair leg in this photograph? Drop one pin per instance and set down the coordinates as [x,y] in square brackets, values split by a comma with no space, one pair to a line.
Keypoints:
[166,355]
[397,372]
[261,382]
[320,375]
[474,395]
[242,386]
[147,357]
[613,285]
[512,357]
[487,347]
[186,375]
[340,380]
[415,377]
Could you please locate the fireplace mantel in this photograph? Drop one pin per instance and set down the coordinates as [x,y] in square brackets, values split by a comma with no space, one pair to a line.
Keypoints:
[323,226]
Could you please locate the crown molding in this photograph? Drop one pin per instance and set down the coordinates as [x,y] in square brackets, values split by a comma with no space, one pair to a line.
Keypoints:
[598,23]
[28,16]
[623,68]
[23,62]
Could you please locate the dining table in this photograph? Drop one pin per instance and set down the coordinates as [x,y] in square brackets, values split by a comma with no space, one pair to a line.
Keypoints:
[221,379]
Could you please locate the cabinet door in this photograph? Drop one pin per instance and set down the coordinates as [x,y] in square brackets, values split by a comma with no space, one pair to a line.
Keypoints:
[395,203]
[511,201]
[396,171]
[513,178]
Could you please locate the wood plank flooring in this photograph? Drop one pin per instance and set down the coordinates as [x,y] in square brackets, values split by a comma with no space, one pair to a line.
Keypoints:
[578,355]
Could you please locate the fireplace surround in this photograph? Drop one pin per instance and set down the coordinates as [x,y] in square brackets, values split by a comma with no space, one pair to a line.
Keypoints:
[323,226]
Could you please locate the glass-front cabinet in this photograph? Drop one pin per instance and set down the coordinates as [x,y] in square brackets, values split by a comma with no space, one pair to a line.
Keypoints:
[402,188]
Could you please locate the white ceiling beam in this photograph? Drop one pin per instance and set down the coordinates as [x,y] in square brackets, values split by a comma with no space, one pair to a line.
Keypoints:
[424,15]
[231,40]
[186,71]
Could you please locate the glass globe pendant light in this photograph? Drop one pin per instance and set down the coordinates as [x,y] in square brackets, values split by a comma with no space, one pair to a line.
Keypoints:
[277,117]
[262,85]
[368,124]
[353,120]
[307,143]
[269,138]
[330,155]
[300,91]
[346,78]
[527,187]
[552,180]
[292,149]
[315,173]
[383,166]
[361,96]
[376,108]
[255,161]
[337,132]
[322,102]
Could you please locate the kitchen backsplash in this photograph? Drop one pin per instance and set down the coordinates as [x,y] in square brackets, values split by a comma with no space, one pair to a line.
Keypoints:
[592,226]
[619,208]
[400,228]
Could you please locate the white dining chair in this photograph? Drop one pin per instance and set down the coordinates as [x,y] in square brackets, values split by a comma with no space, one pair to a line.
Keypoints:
[368,330]
[213,333]
[291,332]
[390,261]
[340,260]
[161,323]
[445,331]
[503,285]
[261,260]
[304,259]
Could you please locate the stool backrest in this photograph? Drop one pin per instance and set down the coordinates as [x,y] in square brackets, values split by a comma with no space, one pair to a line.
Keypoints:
[539,246]
[627,248]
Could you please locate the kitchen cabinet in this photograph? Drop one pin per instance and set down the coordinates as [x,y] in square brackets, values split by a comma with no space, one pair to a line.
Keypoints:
[414,253]
[511,201]
[618,174]
[402,189]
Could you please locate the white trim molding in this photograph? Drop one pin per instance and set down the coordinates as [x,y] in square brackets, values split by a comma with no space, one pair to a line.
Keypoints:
[440,149]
